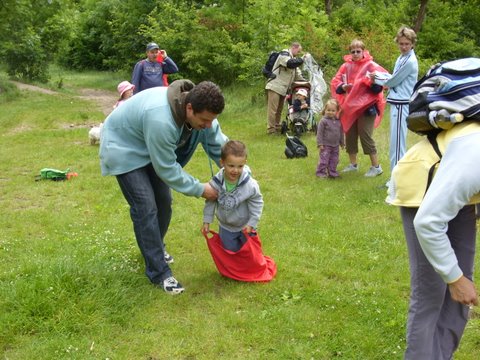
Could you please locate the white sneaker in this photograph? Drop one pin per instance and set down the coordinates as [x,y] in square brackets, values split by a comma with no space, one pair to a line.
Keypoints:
[172,286]
[168,258]
[351,168]
[374,171]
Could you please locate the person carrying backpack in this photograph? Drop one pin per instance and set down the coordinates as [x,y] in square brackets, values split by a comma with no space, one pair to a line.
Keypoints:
[440,230]
[286,70]
[149,72]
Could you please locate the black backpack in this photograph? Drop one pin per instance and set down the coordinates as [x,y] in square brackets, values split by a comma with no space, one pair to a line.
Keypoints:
[295,148]
[268,69]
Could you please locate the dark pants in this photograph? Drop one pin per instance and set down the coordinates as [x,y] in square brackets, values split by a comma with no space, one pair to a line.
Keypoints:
[435,322]
[150,203]
[328,161]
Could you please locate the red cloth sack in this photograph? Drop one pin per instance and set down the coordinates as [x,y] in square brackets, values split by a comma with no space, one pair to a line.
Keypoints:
[247,264]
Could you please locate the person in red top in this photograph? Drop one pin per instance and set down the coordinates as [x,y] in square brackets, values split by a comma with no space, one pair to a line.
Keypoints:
[362,104]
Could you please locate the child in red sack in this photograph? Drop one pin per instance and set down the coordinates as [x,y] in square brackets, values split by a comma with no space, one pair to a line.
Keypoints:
[236,250]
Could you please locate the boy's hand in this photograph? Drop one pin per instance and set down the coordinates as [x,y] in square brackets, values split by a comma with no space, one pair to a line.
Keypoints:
[205,228]
[248,229]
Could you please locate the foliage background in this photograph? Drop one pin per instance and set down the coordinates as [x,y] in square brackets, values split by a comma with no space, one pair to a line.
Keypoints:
[72,283]
[227,40]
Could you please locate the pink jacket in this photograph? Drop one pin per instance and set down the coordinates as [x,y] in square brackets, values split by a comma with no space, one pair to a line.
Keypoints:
[359,98]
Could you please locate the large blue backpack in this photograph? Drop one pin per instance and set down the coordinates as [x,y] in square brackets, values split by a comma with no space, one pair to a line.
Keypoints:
[448,93]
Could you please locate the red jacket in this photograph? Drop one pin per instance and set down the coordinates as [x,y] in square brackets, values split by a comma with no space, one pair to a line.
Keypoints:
[360,97]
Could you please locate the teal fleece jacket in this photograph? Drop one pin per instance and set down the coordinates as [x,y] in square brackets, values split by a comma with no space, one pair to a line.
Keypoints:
[149,128]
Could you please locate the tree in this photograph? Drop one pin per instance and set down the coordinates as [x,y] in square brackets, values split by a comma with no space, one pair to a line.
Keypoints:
[422,11]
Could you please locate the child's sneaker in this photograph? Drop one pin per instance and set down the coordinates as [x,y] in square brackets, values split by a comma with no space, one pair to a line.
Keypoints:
[172,286]
[350,168]
[374,171]
[168,257]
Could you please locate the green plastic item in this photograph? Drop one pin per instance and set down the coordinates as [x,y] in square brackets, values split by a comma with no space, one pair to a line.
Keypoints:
[54,174]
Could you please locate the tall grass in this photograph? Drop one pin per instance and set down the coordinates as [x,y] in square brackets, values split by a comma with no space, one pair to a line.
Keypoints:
[71,276]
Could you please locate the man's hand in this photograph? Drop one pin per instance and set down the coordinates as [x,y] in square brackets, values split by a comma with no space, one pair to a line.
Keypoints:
[463,291]
[209,192]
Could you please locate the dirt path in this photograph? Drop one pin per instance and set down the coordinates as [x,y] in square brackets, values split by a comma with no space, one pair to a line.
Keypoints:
[103,99]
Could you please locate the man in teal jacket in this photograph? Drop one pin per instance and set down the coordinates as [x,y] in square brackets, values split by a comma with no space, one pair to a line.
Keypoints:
[145,143]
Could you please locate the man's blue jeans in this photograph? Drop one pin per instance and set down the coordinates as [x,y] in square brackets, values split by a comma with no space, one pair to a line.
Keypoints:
[150,201]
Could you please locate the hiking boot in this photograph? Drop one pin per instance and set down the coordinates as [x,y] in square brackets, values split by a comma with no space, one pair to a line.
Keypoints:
[350,168]
[374,171]
[168,257]
[172,286]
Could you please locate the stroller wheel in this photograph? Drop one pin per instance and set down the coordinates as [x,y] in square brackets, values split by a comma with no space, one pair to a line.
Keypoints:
[284,128]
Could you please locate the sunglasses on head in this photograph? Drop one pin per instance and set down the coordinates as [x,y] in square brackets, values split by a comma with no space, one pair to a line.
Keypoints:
[356,52]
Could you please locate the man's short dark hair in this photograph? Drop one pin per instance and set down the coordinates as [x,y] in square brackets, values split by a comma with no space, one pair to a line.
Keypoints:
[206,96]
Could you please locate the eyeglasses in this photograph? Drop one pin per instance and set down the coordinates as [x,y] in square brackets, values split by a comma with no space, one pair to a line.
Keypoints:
[356,51]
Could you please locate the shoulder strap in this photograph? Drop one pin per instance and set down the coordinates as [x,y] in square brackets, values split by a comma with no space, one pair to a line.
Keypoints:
[279,54]
[432,138]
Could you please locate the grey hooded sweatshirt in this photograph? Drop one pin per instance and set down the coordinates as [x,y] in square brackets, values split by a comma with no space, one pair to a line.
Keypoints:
[238,208]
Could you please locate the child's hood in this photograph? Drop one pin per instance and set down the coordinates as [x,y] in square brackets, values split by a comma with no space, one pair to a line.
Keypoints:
[219,179]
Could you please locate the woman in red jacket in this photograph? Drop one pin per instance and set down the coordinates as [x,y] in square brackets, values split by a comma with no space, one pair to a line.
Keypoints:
[362,105]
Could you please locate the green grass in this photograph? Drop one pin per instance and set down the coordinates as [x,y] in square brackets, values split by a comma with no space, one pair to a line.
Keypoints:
[71,276]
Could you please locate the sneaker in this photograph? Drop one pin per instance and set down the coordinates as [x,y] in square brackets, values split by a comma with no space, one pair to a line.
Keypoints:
[351,168]
[168,257]
[374,171]
[172,286]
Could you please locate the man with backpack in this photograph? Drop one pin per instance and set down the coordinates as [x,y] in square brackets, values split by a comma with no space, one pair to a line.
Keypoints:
[284,72]
[150,72]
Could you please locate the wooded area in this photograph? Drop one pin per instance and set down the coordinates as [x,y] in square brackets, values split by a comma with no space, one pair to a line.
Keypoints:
[225,41]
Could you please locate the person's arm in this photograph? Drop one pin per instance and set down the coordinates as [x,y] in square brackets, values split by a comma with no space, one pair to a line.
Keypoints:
[255,205]
[209,211]
[161,136]
[456,181]
[137,76]
[320,132]
[168,66]
[342,137]
[398,77]
[339,84]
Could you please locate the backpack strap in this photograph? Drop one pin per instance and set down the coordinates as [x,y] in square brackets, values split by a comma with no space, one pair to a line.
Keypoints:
[432,139]
[280,53]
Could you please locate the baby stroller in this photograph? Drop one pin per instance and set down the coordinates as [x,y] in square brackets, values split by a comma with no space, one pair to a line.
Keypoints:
[298,121]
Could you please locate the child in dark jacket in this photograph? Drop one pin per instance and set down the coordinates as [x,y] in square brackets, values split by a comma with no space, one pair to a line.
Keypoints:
[301,105]
[329,138]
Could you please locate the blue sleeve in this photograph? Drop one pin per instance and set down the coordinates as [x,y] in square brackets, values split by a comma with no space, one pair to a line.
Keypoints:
[137,76]
[161,137]
[402,73]
[169,67]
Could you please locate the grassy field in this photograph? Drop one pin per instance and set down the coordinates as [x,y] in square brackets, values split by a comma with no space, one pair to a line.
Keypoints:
[71,276]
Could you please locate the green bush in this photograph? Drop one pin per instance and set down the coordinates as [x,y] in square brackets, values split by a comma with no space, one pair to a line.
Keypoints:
[27,60]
